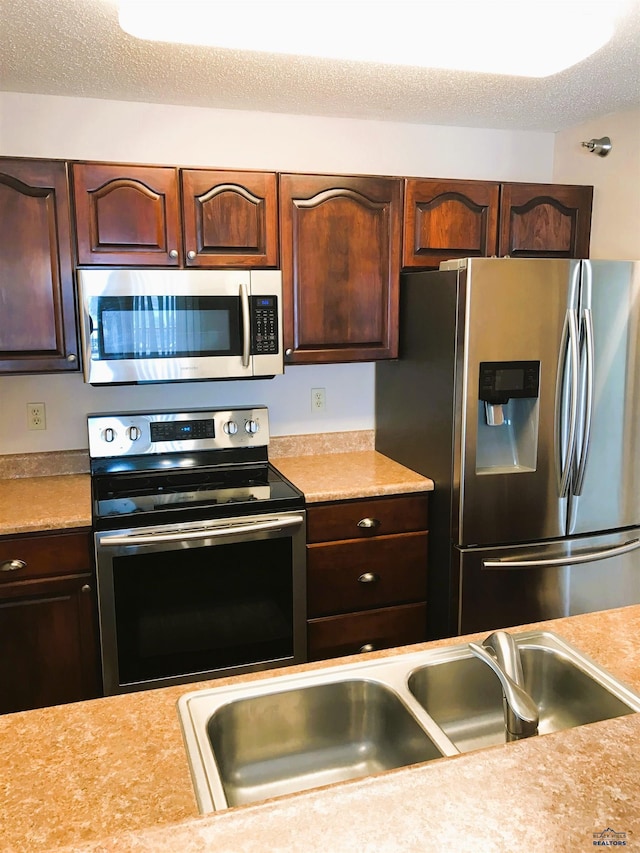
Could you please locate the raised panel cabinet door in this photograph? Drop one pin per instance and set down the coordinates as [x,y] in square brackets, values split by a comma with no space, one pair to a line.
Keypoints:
[127,215]
[37,309]
[545,220]
[48,643]
[340,258]
[448,219]
[230,219]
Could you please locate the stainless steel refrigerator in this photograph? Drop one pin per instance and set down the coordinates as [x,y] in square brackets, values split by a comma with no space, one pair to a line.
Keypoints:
[517,390]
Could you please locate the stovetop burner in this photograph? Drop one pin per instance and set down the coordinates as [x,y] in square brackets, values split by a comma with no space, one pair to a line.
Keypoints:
[147,469]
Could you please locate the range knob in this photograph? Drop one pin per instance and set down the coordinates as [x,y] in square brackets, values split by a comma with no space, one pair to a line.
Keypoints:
[134,433]
[252,427]
[109,434]
[231,428]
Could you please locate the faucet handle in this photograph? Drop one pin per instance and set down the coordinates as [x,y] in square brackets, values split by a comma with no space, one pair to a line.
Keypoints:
[506,652]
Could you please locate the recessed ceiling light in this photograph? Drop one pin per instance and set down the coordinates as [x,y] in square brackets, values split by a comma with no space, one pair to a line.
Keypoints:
[514,37]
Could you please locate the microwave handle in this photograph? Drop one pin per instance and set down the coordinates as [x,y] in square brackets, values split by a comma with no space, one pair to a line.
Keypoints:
[246,325]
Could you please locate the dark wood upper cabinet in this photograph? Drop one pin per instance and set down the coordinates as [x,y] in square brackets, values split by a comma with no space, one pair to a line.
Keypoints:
[164,216]
[230,218]
[449,219]
[127,215]
[37,307]
[340,258]
[539,220]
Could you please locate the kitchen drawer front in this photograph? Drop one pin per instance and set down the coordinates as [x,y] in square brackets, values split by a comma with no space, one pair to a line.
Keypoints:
[30,556]
[355,575]
[386,628]
[364,518]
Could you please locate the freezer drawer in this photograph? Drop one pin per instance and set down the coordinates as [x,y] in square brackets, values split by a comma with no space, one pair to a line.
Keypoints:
[502,587]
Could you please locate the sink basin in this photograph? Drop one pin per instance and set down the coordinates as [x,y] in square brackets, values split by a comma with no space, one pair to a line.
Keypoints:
[278,735]
[278,743]
[464,696]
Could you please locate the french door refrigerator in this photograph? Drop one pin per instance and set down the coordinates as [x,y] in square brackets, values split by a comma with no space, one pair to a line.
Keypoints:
[517,390]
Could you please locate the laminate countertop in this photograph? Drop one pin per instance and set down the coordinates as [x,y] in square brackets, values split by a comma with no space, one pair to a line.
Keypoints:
[112,775]
[58,502]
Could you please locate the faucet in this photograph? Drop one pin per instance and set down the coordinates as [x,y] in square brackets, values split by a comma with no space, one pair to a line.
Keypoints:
[500,652]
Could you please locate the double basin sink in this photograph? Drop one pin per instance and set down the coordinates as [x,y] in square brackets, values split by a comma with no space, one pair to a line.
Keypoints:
[252,741]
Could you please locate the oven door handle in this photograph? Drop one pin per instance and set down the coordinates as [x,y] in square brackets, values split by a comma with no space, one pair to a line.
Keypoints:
[217,531]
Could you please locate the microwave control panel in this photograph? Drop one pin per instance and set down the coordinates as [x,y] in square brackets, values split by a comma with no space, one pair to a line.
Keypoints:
[264,325]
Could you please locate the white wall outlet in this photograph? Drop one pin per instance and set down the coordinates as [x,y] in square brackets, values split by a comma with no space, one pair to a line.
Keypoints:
[36,416]
[318,400]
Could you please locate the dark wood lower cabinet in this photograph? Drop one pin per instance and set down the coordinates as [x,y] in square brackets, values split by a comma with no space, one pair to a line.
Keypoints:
[48,622]
[353,633]
[366,575]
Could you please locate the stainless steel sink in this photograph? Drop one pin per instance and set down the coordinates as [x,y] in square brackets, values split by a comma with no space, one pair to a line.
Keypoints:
[278,743]
[287,733]
[464,697]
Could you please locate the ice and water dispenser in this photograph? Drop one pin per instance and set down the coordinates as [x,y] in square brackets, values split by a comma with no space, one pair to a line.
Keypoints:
[508,413]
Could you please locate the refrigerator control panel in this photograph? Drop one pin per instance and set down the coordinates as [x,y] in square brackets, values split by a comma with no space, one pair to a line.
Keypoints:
[501,381]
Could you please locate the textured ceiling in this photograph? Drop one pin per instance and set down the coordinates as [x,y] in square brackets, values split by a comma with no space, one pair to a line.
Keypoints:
[76,48]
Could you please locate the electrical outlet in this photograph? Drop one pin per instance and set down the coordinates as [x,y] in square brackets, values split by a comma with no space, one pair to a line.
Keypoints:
[36,416]
[318,401]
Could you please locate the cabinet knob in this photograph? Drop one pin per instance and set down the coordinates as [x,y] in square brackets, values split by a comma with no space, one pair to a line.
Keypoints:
[288,352]
[71,357]
[369,577]
[368,647]
[191,255]
[368,523]
[12,565]
[85,588]
[173,253]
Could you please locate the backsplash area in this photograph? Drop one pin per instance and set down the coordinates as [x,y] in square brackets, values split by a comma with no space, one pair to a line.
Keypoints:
[77,461]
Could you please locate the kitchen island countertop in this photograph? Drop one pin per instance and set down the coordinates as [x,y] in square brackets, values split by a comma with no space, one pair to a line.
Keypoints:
[111,775]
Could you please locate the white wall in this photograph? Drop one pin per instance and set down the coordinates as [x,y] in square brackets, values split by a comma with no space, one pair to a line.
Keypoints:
[74,128]
[615,230]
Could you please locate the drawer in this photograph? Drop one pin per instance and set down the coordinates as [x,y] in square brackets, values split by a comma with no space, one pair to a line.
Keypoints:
[28,557]
[361,574]
[363,518]
[352,633]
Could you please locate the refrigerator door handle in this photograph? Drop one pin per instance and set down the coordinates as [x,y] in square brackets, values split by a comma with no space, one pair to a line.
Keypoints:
[589,354]
[568,365]
[590,557]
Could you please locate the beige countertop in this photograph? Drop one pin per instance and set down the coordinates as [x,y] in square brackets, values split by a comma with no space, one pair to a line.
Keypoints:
[111,775]
[58,502]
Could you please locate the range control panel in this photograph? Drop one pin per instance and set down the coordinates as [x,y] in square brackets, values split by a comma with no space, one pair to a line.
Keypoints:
[136,433]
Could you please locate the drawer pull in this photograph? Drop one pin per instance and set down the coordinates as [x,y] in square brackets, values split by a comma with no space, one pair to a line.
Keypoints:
[368,577]
[12,565]
[368,647]
[369,523]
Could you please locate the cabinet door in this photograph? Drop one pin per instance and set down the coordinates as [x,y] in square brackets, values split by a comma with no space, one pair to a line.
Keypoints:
[545,220]
[48,643]
[127,215]
[230,219]
[48,621]
[37,313]
[448,219]
[340,257]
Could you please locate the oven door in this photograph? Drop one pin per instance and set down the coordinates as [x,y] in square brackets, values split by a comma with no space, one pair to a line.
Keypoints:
[186,602]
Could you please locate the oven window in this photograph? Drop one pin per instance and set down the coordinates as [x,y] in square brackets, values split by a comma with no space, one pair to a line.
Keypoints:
[165,326]
[200,609]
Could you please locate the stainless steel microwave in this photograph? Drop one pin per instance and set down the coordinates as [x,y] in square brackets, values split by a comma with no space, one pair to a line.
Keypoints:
[141,326]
